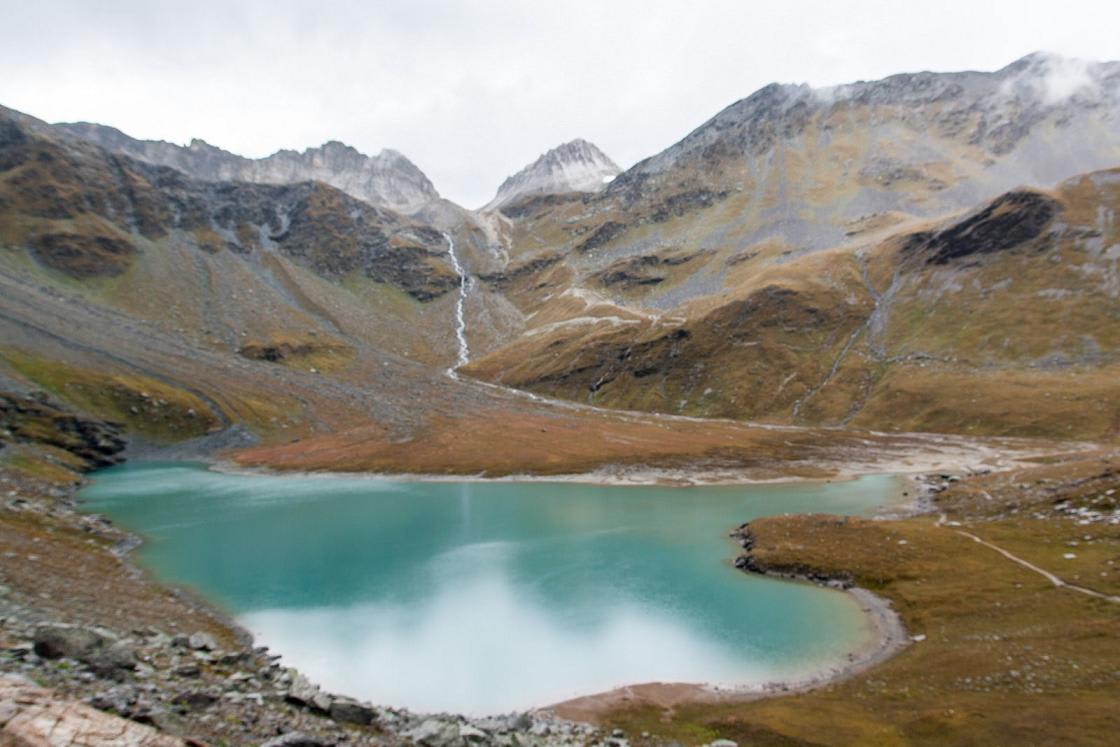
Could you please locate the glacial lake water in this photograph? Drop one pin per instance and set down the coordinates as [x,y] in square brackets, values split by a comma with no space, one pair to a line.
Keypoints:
[489,597]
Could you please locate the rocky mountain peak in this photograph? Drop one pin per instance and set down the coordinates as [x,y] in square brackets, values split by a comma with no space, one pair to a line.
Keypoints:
[575,166]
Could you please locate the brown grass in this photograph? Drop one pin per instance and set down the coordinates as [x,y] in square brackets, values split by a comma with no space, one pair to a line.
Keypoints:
[1008,658]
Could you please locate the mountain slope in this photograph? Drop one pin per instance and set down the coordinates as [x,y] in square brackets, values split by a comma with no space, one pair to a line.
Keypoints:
[576,166]
[1002,321]
[814,160]
[791,170]
[231,301]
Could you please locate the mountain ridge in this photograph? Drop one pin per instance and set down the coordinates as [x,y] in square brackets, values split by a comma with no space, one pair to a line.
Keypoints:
[388,179]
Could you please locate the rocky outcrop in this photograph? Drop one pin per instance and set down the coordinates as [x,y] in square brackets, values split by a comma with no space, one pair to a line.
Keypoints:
[604,234]
[83,255]
[511,275]
[1010,221]
[31,716]
[102,652]
[749,563]
[643,269]
[37,420]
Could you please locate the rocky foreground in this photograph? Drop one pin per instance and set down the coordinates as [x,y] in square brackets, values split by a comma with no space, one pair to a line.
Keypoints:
[93,652]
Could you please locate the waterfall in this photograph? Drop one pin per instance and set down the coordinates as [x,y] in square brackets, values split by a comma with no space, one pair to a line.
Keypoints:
[460,317]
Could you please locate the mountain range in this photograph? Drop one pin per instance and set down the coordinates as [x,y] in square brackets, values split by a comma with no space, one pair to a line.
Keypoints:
[914,280]
[931,251]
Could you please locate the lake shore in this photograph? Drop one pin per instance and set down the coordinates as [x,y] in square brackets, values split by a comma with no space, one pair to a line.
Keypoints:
[886,494]
[949,457]
[887,637]
[608,709]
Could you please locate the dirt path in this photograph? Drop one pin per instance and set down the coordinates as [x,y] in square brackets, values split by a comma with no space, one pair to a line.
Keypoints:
[1058,582]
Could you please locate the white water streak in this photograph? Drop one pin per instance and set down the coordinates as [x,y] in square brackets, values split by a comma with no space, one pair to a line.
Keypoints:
[460,316]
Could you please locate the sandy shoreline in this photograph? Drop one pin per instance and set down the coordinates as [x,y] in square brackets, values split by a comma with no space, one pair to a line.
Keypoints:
[938,457]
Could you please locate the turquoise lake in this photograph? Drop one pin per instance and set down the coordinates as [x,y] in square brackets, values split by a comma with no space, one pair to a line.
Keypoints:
[488,597]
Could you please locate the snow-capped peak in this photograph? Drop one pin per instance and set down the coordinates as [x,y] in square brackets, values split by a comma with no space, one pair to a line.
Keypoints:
[576,166]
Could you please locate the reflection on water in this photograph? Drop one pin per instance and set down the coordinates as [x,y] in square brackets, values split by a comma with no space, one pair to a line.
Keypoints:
[488,597]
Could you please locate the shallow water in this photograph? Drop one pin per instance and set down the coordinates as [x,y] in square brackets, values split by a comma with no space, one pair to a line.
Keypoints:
[490,597]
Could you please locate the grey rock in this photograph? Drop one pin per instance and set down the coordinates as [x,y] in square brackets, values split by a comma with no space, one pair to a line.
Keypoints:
[113,700]
[347,711]
[113,659]
[57,641]
[304,692]
[295,739]
[387,179]
[472,734]
[106,656]
[230,659]
[202,642]
[723,743]
[433,733]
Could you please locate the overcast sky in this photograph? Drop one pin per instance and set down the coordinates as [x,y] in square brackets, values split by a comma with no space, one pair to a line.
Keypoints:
[472,91]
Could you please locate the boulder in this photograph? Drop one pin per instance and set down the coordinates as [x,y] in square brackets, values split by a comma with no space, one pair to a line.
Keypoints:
[31,715]
[304,692]
[347,711]
[202,642]
[433,733]
[57,641]
[472,735]
[187,670]
[113,659]
[106,656]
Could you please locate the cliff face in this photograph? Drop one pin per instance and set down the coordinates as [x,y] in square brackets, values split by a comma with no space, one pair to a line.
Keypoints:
[81,210]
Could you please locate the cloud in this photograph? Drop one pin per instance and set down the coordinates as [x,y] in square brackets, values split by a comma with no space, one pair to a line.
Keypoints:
[472,91]
[1065,77]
